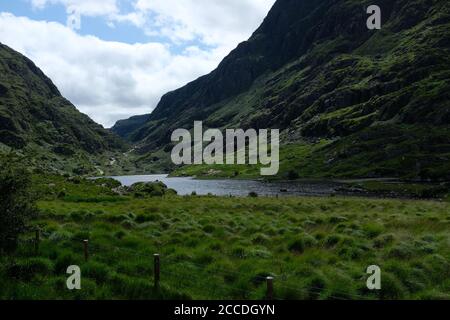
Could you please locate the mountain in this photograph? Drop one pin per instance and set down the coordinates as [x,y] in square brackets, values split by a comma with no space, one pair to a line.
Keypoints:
[351,102]
[124,128]
[38,122]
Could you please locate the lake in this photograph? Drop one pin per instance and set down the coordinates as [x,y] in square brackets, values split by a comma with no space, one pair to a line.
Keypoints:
[222,187]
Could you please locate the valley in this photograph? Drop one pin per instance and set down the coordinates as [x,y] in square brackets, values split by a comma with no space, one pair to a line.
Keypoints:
[363,118]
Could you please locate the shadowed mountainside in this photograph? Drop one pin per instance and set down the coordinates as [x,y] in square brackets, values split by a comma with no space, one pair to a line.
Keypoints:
[379,98]
[37,121]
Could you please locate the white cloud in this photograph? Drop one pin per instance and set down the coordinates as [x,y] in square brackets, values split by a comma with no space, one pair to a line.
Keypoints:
[214,22]
[76,9]
[83,7]
[113,80]
[106,80]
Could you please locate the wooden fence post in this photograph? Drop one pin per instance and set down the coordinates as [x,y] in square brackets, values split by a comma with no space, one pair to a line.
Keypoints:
[36,242]
[269,281]
[86,249]
[156,269]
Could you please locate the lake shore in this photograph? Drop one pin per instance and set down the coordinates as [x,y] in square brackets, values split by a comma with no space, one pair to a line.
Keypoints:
[364,187]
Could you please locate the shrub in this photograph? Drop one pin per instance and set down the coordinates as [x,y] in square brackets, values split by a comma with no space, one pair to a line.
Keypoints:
[239,251]
[403,250]
[209,228]
[60,235]
[107,182]
[391,287]
[332,240]
[351,253]
[97,271]
[120,234]
[152,189]
[64,261]
[300,244]
[341,288]
[16,202]
[89,216]
[260,238]
[373,230]
[128,224]
[383,240]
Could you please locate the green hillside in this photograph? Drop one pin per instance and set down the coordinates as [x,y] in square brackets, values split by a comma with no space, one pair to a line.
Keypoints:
[37,122]
[380,99]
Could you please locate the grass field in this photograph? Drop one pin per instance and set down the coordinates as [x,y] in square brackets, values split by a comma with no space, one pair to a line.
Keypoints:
[216,248]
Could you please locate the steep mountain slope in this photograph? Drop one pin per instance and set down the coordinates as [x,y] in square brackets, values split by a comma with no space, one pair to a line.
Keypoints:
[125,128]
[378,101]
[36,120]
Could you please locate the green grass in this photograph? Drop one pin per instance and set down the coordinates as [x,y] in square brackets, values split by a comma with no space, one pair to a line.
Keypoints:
[406,152]
[291,158]
[217,248]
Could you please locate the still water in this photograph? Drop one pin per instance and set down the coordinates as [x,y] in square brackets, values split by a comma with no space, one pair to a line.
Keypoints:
[186,186]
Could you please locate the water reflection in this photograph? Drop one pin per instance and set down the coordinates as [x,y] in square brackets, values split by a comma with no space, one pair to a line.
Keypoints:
[186,186]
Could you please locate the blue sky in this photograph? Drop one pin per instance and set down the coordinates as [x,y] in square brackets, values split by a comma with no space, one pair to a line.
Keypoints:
[125,32]
[116,58]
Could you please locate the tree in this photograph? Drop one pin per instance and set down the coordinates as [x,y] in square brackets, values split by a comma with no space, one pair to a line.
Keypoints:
[17,204]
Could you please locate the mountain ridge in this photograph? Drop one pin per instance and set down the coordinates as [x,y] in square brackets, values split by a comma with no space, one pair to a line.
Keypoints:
[380,98]
[37,121]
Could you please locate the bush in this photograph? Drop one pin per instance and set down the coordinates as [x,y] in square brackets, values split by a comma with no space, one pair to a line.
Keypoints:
[391,287]
[332,240]
[152,189]
[239,251]
[260,238]
[403,250]
[17,204]
[107,182]
[373,230]
[383,240]
[297,245]
[65,260]
[209,228]
[97,271]
[300,244]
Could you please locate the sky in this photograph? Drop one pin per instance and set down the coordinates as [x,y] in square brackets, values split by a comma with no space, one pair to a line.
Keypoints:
[115,58]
